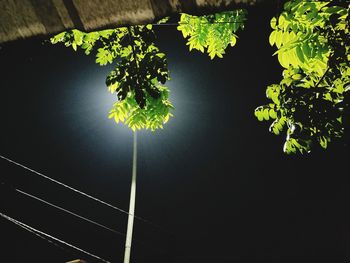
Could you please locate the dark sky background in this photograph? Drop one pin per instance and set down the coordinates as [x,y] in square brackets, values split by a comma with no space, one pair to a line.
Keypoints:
[215,178]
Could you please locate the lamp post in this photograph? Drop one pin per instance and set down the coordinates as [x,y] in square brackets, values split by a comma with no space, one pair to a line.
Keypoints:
[138,79]
[129,231]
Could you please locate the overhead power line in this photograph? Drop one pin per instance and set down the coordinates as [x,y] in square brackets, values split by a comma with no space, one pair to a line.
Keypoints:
[82,217]
[202,23]
[64,185]
[82,193]
[50,238]
[67,211]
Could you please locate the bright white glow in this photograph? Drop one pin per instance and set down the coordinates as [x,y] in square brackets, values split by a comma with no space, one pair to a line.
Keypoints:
[86,104]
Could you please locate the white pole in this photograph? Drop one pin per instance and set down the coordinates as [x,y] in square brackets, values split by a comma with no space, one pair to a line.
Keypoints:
[131,204]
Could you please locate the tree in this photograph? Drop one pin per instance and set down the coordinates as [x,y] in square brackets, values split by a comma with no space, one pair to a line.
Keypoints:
[312,100]
[312,38]
[139,74]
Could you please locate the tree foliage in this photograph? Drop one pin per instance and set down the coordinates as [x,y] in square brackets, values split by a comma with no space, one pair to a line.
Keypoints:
[212,33]
[312,100]
[141,69]
[140,72]
[311,104]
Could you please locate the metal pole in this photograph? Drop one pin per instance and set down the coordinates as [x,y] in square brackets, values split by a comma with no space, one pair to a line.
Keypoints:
[131,204]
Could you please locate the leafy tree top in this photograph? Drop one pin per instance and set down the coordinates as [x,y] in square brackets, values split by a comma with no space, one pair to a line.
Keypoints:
[311,104]
[139,74]
[141,70]
[312,101]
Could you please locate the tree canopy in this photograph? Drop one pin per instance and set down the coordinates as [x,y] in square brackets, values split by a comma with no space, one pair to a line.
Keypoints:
[310,104]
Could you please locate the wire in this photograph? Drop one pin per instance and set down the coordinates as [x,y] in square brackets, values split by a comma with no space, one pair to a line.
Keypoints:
[82,193]
[81,217]
[43,237]
[68,212]
[47,237]
[202,23]
[64,185]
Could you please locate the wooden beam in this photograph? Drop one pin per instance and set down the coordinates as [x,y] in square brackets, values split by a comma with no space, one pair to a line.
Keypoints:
[26,18]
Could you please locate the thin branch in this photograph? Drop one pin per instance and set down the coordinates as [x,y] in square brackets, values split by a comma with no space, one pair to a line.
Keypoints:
[322,78]
[131,37]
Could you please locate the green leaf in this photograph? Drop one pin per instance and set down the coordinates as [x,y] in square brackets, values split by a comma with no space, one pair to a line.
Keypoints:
[265,114]
[259,113]
[277,126]
[300,54]
[58,38]
[74,46]
[272,114]
[323,142]
[233,41]
[273,23]
[272,38]
[306,50]
[283,60]
[279,38]
[289,147]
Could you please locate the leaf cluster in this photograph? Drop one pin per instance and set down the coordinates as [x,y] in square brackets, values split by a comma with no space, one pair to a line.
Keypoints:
[312,100]
[212,33]
[155,113]
[140,72]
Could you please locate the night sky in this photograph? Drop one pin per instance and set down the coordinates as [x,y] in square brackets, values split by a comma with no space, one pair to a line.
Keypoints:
[215,180]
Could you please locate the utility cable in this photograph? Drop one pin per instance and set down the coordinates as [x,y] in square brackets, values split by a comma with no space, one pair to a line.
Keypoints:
[49,238]
[44,238]
[81,217]
[82,193]
[67,211]
[64,185]
[202,23]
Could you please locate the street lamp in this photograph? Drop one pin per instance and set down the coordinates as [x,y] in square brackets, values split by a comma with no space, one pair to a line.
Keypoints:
[140,72]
